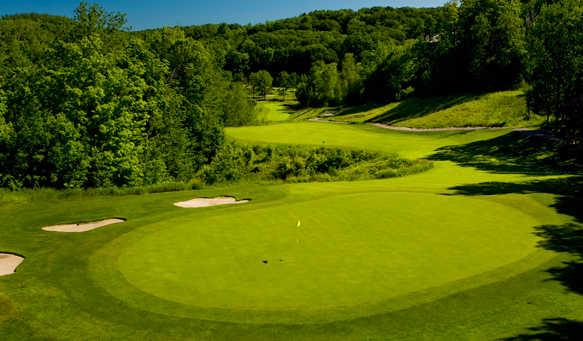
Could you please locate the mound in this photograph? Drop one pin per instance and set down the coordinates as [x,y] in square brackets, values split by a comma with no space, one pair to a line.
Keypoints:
[208,202]
[9,263]
[85,227]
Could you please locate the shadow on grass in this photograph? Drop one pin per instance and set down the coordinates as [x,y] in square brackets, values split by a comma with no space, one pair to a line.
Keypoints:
[553,329]
[534,153]
[568,189]
[566,238]
[522,152]
[419,107]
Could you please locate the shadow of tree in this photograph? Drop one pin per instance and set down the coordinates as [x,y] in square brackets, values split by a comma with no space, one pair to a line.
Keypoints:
[554,329]
[524,152]
[419,107]
[568,189]
[534,153]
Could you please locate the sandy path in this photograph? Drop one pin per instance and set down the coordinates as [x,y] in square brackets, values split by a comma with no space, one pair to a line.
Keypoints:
[386,126]
[409,129]
[9,263]
[76,228]
[208,202]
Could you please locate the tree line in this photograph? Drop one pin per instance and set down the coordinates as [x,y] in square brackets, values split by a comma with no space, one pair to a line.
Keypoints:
[85,102]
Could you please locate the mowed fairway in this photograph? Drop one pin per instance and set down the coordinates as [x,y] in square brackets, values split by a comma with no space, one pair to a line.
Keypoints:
[409,145]
[408,258]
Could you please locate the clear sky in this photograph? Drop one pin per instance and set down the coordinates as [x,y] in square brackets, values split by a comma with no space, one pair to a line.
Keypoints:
[150,14]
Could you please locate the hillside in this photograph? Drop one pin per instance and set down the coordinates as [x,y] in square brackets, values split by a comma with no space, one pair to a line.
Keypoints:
[497,109]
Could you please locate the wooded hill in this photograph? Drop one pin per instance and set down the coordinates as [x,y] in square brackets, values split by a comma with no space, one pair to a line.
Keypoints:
[85,102]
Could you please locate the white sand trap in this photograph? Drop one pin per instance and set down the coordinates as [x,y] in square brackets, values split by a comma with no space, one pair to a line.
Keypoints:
[9,263]
[207,202]
[76,228]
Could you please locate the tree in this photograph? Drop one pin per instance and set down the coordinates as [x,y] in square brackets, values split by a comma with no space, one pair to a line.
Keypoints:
[490,35]
[92,18]
[350,76]
[392,80]
[261,82]
[100,112]
[286,81]
[322,87]
[556,67]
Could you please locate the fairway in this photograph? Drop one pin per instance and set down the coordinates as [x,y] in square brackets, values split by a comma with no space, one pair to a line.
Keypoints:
[409,145]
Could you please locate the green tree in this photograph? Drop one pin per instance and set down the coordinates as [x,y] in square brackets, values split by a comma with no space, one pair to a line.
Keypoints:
[392,79]
[92,18]
[350,77]
[261,82]
[491,37]
[322,87]
[556,67]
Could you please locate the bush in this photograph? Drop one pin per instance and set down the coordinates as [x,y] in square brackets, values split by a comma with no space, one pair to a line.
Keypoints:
[236,162]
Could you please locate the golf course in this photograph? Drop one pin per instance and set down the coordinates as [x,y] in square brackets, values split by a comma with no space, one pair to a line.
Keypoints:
[410,257]
[322,170]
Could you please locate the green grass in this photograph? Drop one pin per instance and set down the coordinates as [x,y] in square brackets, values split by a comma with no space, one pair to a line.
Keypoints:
[498,109]
[272,111]
[450,253]
[408,145]
[390,242]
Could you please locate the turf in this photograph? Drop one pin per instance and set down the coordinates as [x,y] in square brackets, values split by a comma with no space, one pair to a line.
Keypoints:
[272,111]
[409,145]
[451,253]
[391,243]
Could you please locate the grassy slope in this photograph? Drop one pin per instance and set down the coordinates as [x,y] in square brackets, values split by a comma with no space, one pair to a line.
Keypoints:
[70,286]
[506,108]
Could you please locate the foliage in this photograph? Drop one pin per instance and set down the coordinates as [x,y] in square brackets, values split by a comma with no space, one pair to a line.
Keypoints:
[85,104]
[261,82]
[235,162]
[556,68]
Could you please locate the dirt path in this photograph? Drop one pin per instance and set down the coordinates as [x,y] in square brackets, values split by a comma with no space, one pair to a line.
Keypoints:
[409,129]
[386,126]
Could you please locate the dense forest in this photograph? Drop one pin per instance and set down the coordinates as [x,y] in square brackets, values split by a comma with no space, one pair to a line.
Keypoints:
[86,102]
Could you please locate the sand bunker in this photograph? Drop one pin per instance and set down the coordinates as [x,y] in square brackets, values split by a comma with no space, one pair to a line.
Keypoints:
[207,202]
[9,263]
[75,228]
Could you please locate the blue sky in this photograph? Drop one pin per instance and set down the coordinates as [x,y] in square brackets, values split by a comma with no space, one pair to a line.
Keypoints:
[149,14]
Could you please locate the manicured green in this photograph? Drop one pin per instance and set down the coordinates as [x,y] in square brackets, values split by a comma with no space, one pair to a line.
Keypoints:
[392,244]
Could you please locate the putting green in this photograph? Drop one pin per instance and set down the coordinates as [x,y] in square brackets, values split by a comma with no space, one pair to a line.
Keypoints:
[340,257]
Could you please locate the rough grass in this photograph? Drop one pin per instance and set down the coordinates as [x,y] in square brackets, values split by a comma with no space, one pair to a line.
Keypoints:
[498,109]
